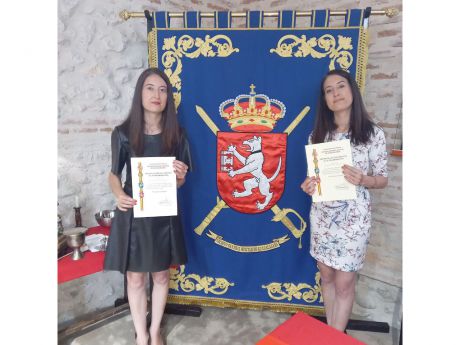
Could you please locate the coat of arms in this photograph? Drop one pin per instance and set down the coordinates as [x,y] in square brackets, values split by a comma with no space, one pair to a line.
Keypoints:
[251,163]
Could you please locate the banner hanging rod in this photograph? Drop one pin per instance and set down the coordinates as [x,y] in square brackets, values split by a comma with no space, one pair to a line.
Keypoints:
[389,12]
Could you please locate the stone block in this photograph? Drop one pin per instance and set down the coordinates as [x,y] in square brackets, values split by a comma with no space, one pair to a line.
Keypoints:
[80,297]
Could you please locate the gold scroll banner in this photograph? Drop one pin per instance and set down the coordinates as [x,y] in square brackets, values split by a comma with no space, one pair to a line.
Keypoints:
[247,249]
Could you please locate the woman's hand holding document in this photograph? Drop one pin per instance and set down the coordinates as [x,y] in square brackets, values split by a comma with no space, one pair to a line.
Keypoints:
[325,162]
[154,186]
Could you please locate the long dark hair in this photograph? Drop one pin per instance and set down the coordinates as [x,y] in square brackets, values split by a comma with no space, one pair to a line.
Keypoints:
[134,125]
[361,125]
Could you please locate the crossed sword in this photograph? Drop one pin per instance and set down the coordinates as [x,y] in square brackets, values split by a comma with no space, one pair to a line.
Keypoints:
[280,214]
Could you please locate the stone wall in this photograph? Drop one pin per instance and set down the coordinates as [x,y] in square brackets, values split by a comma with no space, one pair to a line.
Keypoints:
[100,57]
[80,298]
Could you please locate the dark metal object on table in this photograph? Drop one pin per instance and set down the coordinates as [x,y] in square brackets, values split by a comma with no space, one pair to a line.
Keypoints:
[77,216]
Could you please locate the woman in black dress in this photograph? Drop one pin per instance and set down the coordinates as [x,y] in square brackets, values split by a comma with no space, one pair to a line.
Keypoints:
[137,246]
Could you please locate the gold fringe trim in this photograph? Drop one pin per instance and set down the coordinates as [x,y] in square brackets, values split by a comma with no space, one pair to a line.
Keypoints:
[363,55]
[232,303]
[153,50]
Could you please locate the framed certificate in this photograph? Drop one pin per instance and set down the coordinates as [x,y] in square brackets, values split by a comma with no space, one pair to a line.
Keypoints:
[154,186]
[325,161]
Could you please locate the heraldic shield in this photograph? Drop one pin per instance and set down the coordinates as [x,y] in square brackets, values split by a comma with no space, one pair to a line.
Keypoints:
[251,164]
[251,169]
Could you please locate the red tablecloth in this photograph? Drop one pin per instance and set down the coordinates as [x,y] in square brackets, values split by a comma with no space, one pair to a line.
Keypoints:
[302,329]
[69,269]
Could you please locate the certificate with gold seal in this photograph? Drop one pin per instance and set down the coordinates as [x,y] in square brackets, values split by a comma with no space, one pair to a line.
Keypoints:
[154,186]
[325,160]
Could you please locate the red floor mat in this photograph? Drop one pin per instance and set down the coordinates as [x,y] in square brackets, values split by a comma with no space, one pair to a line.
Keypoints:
[302,329]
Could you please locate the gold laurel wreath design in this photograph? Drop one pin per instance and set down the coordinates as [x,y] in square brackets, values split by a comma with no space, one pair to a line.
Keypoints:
[281,291]
[187,46]
[193,282]
[336,50]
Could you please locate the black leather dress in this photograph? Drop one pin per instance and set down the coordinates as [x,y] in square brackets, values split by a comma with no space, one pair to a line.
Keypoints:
[149,244]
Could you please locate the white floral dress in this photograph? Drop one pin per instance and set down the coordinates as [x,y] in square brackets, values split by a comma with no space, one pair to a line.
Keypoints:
[340,229]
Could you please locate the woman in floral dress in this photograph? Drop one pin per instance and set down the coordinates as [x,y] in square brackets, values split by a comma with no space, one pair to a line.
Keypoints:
[340,229]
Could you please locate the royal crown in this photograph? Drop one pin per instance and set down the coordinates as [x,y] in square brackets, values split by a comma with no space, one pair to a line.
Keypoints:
[252,113]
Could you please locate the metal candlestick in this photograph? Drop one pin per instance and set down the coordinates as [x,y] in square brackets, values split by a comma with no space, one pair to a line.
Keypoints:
[77,216]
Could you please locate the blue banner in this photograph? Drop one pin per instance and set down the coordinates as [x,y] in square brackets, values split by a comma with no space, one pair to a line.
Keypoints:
[247,99]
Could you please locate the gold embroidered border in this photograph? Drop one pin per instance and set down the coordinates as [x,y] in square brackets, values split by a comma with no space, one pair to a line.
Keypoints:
[241,304]
[338,50]
[247,249]
[193,282]
[285,50]
[186,46]
[361,58]
[281,291]
[208,42]
[293,290]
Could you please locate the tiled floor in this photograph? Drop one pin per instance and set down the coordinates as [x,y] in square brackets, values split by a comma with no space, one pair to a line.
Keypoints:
[215,326]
